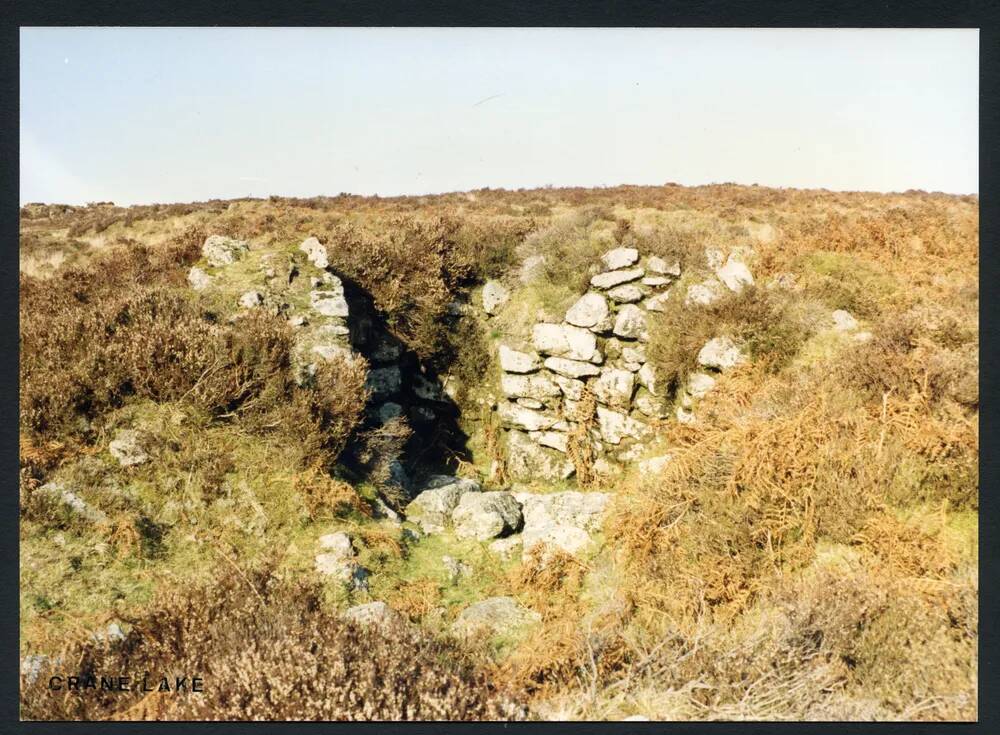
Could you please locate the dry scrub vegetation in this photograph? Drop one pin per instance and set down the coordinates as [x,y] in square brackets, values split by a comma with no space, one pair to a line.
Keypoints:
[276,655]
[809,553]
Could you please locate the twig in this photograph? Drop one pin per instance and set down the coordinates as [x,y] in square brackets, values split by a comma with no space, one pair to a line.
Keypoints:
[238,571]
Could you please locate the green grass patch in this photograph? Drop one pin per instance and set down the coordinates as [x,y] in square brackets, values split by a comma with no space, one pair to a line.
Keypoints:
[846,282]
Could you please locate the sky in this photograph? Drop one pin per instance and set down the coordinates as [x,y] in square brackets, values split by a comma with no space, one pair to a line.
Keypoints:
[135,115]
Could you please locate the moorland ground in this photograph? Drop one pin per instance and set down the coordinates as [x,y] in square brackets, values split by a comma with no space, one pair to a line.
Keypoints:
[809,552]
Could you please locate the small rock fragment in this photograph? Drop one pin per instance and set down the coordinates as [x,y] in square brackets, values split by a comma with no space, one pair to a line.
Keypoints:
[615,426]
[619,258]
[610,279]
[456,569]
[735,275]
[571,368]
[495,615]
[843,321]
[631,323]
[198,278]
[495,295]
[527,460]
[316,252]
[384,381]
[373,614]
[656,281]
[329,303]
[614,387]
[704,293]
[720,353]
[538,387]
[486,515]
[553,439]
[251,299]
[58,492]
[506,548]
[220,251]
[657,303]
[519,417]
[654,465]
[699,384]
[564,340]
[649,380]
[532,268]
[588,311]
[126,447]
[515,361]
[658,265]
[628,293]
[562,520]
[337,543]
[432,507]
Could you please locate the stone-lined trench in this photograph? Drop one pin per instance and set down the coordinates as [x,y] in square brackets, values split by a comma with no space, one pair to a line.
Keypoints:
[577,395]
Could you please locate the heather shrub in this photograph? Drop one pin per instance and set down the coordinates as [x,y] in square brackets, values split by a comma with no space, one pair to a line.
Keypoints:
[411,269]
[152,343]
[467,354]
[267,650]
[377,451]
[919,351]
[671,243]
[765,322]
[571,244]
[320,418]
[882,364]
[954,374]
[338,399]
[67,369]
[161,348]
[491,244]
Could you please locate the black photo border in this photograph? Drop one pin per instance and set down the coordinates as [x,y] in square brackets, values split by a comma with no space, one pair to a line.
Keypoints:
[981,14]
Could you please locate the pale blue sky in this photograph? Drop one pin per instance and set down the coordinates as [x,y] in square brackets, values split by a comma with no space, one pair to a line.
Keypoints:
[164,115]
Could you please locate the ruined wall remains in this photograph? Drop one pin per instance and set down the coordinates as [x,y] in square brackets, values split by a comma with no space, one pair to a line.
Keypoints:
[579,394]
[332,317]
[583,386]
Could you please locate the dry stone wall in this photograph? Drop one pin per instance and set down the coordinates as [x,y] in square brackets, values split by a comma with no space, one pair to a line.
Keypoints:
[576,390]
[586,377]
